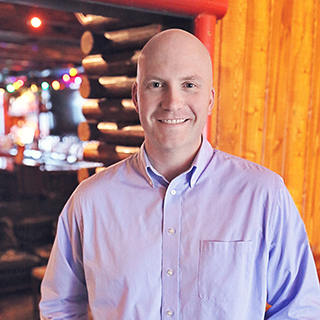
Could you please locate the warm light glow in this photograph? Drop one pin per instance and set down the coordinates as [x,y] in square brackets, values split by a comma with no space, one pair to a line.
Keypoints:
[34,88]
[10,88]
[55,85]
[35,22]
[45,85]
[66,77]
[2,91]
[73,72]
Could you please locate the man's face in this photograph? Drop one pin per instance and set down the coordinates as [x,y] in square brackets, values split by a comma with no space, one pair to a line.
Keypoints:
[174,94]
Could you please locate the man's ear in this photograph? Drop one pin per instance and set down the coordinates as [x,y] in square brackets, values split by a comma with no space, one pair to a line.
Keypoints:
[134,94]
[211,101]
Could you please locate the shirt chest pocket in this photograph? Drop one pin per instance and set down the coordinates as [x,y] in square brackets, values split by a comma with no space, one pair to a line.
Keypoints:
[223,269]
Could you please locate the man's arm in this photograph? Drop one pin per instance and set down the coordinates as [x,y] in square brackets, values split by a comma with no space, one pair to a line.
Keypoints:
[63,290]
[293,285]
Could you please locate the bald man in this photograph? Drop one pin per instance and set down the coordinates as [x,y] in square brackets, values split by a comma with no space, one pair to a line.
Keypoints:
[180,230]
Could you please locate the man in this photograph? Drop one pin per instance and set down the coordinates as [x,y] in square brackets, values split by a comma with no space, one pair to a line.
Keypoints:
[180,230]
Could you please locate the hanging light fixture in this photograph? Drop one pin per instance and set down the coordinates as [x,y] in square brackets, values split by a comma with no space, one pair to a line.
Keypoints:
[35,22]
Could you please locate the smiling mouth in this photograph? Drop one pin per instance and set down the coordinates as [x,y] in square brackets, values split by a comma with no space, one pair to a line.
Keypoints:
[173,121]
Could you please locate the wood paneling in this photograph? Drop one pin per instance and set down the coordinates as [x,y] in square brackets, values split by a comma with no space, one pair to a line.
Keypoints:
[231,78]
[267,81]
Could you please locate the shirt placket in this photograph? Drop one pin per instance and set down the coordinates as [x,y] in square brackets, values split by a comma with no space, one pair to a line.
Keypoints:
[170,254]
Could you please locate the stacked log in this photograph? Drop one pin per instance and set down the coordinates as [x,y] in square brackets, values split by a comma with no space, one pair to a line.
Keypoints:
[112,128]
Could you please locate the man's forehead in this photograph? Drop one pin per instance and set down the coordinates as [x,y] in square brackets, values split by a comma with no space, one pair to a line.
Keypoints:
[175,51]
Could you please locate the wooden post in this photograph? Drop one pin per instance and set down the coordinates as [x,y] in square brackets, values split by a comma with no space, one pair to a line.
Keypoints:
[204,29]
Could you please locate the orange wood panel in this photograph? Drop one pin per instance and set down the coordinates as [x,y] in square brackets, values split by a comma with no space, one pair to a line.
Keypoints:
[299,81]
[231,74]
[255,75]
[277,96]
[311,208]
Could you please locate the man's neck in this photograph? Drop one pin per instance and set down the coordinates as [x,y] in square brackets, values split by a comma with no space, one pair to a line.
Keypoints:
[171,163]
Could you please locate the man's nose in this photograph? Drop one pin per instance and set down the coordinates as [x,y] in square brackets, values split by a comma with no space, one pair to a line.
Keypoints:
[172,99]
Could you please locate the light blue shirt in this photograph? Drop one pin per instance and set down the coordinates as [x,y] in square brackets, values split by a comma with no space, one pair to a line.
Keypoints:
[216,243]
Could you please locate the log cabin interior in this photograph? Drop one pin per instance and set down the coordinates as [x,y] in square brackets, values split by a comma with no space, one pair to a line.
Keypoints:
[66,109]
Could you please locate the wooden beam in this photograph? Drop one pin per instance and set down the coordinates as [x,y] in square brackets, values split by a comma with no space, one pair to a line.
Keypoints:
[193,8]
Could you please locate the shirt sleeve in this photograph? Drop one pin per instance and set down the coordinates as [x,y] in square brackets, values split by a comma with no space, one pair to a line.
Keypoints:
[293,285]
[63,289]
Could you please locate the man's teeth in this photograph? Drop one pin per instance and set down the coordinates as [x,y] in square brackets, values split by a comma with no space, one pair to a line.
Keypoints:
[174,121]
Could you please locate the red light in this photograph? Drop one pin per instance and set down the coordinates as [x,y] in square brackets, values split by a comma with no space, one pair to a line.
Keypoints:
[35,22]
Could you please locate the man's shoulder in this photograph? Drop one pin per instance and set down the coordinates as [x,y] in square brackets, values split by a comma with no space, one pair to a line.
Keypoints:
[245,169]
[110,175]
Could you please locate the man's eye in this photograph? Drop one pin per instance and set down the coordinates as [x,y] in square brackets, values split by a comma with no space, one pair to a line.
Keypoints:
[189,85]
[155,85]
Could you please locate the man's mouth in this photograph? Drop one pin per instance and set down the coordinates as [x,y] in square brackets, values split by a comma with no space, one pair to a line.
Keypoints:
[173,121]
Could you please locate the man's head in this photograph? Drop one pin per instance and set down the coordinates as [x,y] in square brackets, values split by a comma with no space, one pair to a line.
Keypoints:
[173,93]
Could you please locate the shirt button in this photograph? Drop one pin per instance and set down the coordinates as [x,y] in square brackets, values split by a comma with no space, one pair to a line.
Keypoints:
[173,192]
[169,313]
[171,231]
[169,272]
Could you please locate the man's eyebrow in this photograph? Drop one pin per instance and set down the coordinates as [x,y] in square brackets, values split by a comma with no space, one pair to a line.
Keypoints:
[191,77]
[151,78]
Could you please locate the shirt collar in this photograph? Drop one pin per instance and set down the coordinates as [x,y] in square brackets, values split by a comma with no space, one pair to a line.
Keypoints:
[199,164]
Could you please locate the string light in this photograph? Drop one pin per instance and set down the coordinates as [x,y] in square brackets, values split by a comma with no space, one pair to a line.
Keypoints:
[20,82]
[45,85]
[77,80]
[70,82]
[34,88]
[73,72]
[10,88]
[16,85]
[55,85]
[66,77]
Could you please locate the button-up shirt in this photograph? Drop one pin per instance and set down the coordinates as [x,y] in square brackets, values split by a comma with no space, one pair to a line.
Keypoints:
[215,243]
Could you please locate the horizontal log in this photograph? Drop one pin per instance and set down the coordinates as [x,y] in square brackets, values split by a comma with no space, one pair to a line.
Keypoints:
[95,22]
[121,111]
[85,173]
[112,65]
[102,23]
[106,132]
[100,152]
[106,87]
[116,41]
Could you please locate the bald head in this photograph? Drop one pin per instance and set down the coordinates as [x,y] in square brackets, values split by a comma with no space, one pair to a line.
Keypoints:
[177,47]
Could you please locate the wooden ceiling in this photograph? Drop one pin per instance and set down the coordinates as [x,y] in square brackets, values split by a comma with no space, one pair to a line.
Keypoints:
[23,49]
[56,44]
